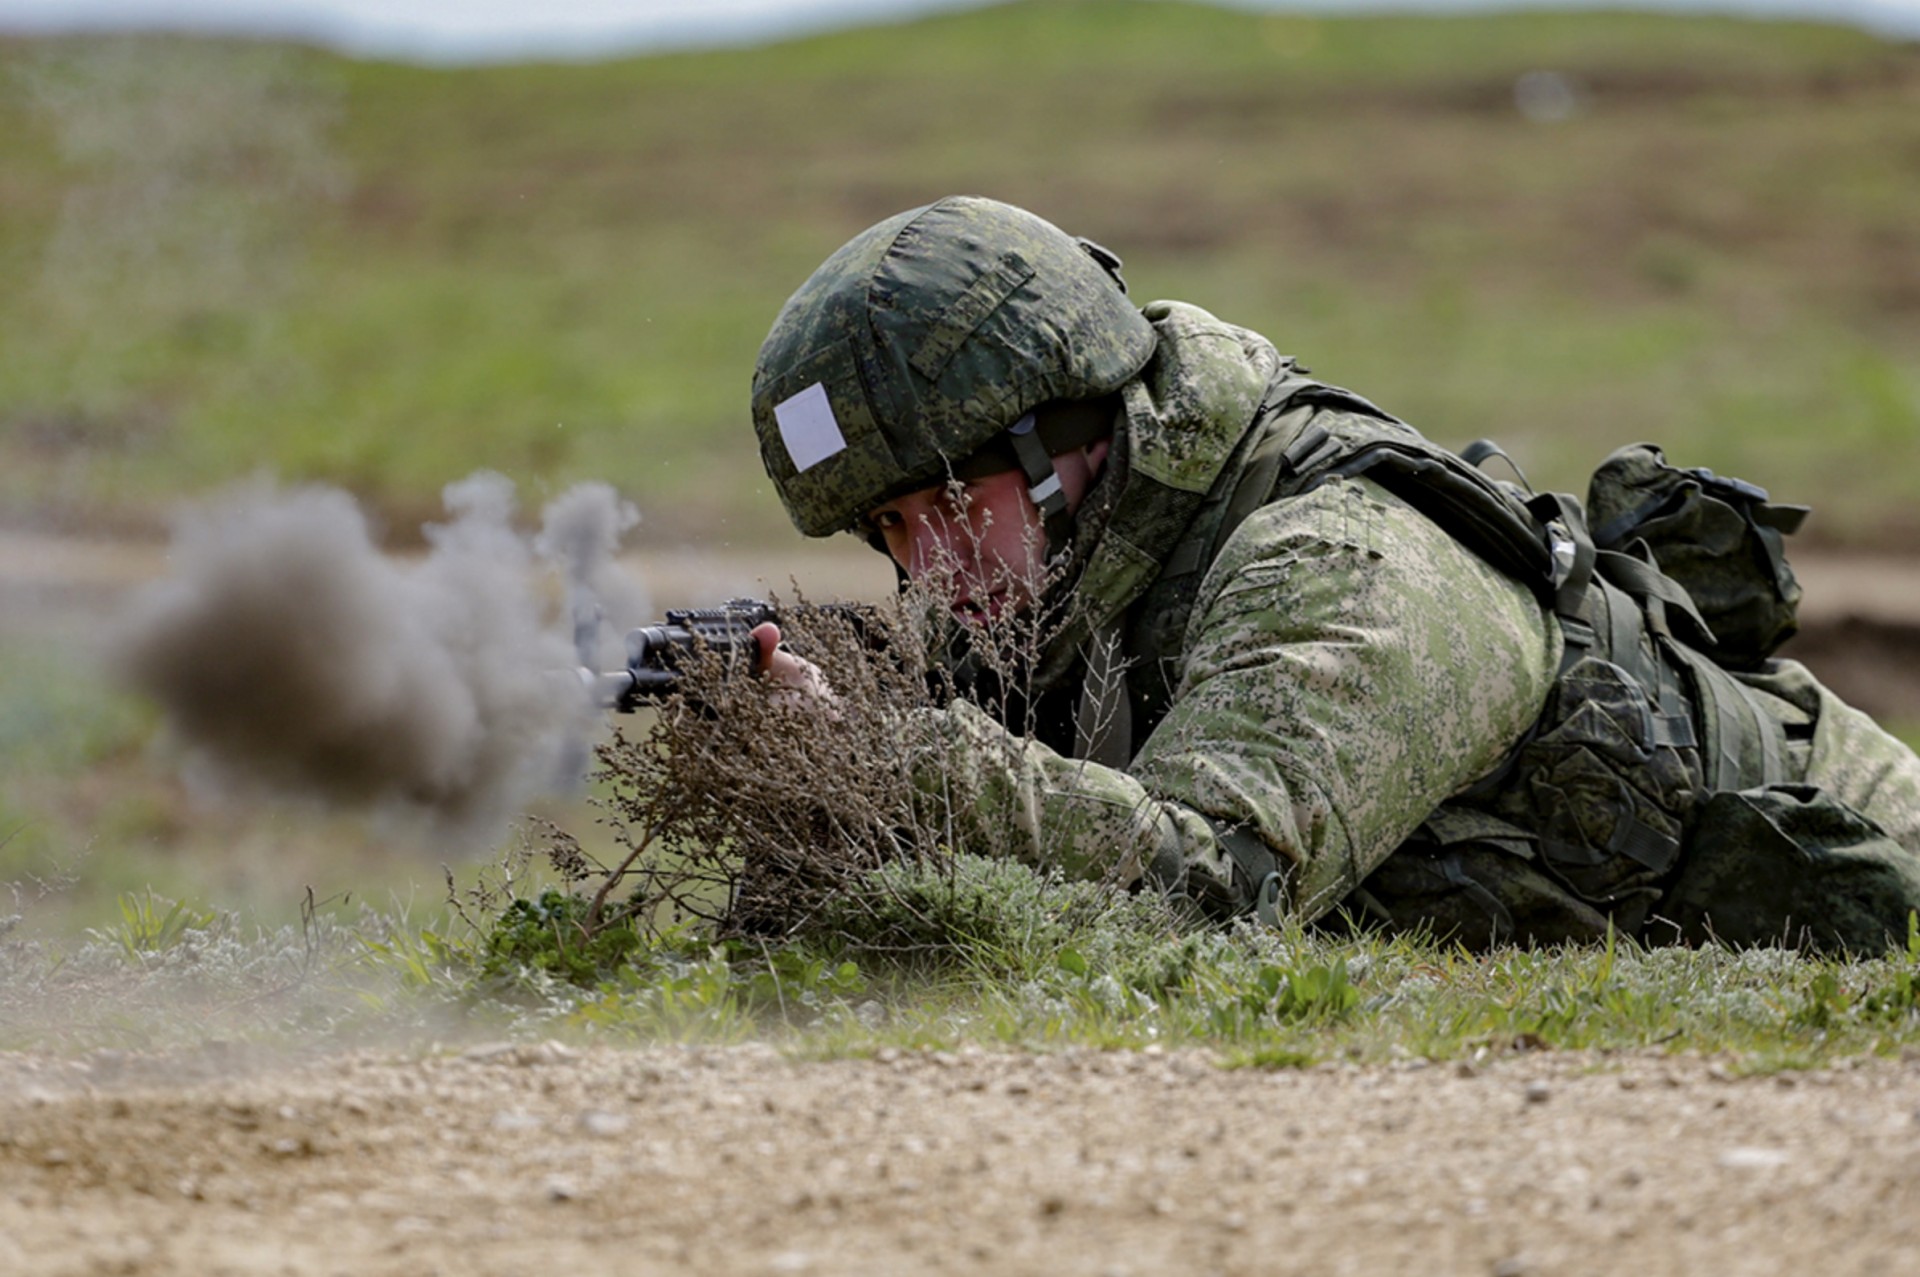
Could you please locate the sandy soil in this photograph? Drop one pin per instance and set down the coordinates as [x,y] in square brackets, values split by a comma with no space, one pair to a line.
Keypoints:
[513,1159]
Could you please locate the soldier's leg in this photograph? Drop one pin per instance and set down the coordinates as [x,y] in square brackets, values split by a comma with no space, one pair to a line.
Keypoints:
[1851,756]
[1830,860]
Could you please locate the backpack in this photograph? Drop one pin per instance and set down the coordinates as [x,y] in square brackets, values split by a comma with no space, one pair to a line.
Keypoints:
[1592,819]
[1719,539]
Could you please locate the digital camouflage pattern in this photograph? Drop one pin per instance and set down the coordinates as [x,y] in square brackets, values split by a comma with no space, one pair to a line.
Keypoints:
[1329,689]
[1320,697]
[1832,855]
[930,334]
[1347,671]
[1720,539]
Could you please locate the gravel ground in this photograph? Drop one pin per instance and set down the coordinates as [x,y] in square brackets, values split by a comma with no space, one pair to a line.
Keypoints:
[511,1159]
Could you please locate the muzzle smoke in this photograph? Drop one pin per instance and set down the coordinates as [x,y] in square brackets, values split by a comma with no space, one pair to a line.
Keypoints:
[289,653]
[580,531]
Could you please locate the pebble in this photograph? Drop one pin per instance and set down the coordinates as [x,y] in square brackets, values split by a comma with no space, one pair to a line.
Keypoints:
[604,1125]
[1538,1092]
[1754,1159]
[515,1120]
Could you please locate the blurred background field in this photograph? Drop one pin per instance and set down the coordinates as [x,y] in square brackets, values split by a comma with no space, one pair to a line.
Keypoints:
[1563,231]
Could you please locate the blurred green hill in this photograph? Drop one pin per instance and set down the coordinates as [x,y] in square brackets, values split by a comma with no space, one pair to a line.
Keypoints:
[1564,231]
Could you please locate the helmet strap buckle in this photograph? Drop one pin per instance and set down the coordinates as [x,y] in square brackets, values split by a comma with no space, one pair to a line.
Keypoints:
[1043,483]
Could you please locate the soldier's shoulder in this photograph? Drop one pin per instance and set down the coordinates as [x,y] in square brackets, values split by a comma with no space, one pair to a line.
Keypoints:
[1353,527]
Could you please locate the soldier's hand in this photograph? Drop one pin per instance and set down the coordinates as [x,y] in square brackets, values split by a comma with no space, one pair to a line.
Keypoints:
[801,677]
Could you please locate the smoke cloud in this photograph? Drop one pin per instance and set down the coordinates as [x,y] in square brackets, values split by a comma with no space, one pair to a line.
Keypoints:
[580,531]
[289,653]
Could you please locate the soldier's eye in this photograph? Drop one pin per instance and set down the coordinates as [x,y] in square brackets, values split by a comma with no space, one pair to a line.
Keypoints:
[882,520]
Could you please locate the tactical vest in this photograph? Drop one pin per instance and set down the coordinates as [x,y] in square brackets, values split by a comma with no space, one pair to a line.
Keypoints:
[1585,823]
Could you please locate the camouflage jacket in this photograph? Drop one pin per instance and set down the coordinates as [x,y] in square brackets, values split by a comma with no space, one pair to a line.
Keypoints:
[1336,669]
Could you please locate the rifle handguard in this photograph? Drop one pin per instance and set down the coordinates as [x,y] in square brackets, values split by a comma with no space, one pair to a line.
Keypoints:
[656,654]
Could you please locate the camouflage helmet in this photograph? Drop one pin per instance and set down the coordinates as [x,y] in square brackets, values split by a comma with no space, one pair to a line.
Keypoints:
[925,338]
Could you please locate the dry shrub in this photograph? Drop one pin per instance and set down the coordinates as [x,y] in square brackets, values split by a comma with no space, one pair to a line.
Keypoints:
[746,805]
[750,808]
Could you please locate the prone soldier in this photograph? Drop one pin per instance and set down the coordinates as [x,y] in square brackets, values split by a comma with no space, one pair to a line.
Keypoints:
[1307,662]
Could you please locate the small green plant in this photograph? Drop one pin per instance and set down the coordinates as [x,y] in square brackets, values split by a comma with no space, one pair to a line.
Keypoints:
[1269,1059]
[553,933]
[422,958]
[1318,994]
[795,984]
[151,924]
[1898,999]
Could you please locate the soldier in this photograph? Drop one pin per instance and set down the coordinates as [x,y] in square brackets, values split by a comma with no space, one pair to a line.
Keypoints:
[1302,660]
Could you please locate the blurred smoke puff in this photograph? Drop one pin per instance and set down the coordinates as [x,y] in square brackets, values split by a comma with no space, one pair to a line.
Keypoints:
[1547,97]
[290,653]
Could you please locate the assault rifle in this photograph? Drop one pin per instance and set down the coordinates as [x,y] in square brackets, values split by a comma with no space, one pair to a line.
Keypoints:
[657,654]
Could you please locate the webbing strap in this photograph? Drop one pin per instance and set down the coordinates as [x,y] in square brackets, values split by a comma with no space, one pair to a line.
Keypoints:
[1773,771]
[1450,869]
[1624,627]
[1627,647]
[1726,748]
[1313,445]
[1674,731]
[1480,450]
[1644,581]
[1569,548]
[1253,858]
[1639,841]
[1043,483]
[1740,732]
[1480,514]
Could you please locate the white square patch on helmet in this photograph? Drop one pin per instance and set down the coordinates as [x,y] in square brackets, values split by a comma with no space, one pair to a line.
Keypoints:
[809,428]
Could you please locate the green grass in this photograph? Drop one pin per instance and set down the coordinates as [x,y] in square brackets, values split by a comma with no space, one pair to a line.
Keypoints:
[1021,965]
[563,271]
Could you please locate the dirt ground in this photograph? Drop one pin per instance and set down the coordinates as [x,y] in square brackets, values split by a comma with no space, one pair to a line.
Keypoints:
[512,1159]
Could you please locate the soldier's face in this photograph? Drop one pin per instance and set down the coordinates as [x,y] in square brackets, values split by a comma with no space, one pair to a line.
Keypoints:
[980,541]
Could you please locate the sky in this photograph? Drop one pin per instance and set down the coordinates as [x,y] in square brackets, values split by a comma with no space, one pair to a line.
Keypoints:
[453,31]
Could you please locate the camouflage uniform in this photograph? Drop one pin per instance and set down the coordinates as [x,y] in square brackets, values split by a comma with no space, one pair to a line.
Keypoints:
[1316,698]
[1346,667]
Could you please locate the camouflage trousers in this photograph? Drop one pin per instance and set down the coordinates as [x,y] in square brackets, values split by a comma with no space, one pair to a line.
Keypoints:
[1827,859]
[1831,860]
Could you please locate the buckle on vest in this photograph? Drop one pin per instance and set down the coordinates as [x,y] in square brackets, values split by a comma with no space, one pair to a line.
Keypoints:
[1266,900]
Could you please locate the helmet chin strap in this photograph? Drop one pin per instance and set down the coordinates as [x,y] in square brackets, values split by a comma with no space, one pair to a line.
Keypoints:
[1031,456]
[1043,484]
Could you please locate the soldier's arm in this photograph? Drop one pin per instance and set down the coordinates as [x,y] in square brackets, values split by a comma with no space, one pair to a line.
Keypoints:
[1348,667]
